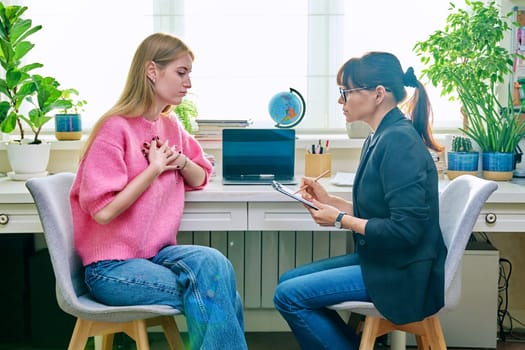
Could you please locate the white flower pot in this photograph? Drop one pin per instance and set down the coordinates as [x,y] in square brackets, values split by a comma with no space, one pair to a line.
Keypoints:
[28,160]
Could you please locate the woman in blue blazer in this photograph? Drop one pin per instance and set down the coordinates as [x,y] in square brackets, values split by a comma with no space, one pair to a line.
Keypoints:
[399,257]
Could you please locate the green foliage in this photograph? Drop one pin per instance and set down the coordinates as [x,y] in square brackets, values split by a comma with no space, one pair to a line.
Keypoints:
[461,144]
[18,85]
[187,112]
[76,105]
[493,127]
[467,61]
[466,53]
[44,101]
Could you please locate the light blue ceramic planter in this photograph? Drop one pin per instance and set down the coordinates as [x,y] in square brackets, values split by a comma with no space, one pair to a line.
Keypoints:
[462,161]
[498,161]
[498,166]
[68,126]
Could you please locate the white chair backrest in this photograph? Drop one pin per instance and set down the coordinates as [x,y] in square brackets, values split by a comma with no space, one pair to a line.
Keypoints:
[460,204]
[51,196]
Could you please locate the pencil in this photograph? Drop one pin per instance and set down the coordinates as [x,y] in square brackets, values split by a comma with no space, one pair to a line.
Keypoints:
[317,178]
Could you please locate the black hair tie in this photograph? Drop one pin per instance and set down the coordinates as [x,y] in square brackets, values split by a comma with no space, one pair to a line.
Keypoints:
[409,78]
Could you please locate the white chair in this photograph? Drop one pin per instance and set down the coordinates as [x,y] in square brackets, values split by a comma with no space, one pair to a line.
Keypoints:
[51,196]
[460,204]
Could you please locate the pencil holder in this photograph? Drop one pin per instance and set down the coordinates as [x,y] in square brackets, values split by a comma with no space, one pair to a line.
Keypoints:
[316,164]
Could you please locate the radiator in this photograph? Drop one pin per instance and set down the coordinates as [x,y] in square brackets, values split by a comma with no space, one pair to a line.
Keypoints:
[260,257]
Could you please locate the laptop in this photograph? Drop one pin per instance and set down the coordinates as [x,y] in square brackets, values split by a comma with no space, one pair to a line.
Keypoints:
[258,156]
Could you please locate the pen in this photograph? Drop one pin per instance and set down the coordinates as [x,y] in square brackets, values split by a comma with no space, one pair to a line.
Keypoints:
[317,178]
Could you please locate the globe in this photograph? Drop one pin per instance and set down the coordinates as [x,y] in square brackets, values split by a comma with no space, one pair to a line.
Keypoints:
[287,108]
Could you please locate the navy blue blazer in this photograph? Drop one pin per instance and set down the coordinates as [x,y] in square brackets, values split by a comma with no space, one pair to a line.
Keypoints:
[402,253]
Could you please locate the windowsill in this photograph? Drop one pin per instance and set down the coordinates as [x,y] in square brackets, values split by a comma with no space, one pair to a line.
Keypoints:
[56,144]
[303,141]
[337,141]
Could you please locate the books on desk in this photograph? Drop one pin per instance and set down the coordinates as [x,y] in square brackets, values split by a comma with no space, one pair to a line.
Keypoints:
[211,129]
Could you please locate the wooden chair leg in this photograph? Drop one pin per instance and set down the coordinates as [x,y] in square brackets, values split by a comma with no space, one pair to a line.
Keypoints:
[141,335]
[80,335]
[172,334]
[422,343]
[434,332]
[428,332]
[107,341]
[370,330]
[136,330]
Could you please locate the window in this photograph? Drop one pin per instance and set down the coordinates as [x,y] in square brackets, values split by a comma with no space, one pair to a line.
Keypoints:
[391,26]
[246,51]
[88,45]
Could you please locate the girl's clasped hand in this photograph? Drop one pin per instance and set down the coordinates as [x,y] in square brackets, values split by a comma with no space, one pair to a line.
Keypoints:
[165,156]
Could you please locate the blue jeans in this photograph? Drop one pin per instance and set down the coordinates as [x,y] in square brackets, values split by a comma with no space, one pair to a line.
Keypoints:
[197,280]
[304,292]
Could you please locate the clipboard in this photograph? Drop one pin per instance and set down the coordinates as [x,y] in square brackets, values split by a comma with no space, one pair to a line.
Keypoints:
[290,193]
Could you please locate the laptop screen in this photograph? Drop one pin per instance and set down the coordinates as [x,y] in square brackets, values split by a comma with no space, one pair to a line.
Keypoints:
[251,154]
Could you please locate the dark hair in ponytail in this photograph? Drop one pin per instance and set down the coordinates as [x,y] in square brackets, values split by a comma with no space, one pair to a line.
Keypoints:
[382,68]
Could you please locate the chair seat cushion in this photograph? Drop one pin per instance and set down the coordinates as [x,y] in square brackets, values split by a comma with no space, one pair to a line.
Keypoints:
[90,309]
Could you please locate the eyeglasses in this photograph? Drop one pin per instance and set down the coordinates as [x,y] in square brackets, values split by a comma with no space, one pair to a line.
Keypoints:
[345,92]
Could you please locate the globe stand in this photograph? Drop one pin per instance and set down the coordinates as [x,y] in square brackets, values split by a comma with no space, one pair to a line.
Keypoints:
[282,109]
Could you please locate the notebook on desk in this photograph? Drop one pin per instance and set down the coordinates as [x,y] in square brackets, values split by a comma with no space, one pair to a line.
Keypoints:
[258,156]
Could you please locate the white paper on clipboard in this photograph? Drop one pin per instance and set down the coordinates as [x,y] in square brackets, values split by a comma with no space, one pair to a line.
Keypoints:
[290,193]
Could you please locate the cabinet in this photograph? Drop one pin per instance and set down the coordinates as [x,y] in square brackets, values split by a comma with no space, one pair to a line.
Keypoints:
[264,234]
[214,216]
[281,216]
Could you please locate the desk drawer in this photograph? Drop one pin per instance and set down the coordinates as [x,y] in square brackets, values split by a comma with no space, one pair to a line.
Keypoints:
[281,216]
[19,218]
[214,216]
[501,217]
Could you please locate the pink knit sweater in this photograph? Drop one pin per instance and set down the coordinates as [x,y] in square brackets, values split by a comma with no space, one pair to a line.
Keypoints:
[115,158]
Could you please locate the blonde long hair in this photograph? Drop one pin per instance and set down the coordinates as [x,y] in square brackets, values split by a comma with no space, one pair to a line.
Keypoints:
[139,94]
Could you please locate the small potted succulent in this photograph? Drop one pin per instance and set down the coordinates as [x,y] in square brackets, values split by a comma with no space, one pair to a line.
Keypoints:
[462,159]
[68,123]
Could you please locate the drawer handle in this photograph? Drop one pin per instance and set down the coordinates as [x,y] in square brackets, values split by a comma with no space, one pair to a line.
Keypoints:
[490,218]
[4,219]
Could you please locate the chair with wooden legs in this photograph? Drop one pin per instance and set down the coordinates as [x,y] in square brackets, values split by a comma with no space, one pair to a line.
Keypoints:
[51,196]
[460,204]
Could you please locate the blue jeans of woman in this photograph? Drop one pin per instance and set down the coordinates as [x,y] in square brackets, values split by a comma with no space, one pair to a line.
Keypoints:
[197,280]
[303,293]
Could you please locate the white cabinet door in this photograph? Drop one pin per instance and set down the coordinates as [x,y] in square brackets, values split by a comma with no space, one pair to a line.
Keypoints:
[19,218]
[281,216]
[214,216]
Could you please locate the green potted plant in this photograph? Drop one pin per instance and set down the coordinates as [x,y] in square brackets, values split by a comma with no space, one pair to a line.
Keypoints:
[187,113]
[467,61]
[462,159]
[28,99]
[68,122]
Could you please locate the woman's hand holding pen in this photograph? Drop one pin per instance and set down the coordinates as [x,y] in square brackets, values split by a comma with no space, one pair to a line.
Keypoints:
[311,189]
[316,193]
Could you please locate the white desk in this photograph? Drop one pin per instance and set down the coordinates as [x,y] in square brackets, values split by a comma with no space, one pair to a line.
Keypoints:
[224,214]
[247,208]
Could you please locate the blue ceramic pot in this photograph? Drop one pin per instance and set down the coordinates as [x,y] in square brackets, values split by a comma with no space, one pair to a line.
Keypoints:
[68,126]
[462,161]
[498,161]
